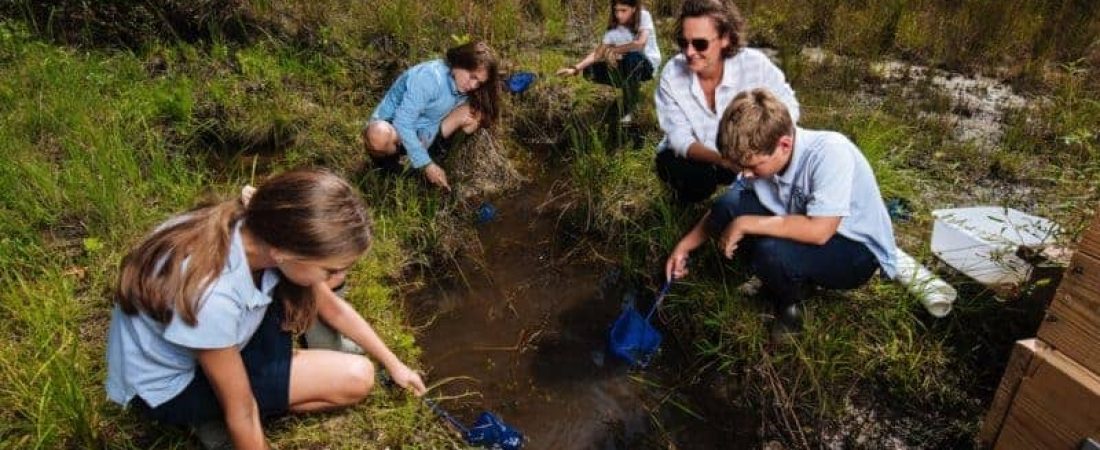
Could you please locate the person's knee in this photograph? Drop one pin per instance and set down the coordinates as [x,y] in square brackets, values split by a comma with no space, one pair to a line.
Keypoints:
[360,379]
[771,258]
[380,139]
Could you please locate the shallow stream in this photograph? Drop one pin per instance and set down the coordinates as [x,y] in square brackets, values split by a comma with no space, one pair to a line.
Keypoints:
[522,332]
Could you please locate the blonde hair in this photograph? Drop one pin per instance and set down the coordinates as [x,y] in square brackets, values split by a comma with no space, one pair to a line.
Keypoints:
[309,213]
[752,125]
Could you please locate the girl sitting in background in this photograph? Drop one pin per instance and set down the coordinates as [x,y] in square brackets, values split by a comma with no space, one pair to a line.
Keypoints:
[206,306]
[627,56]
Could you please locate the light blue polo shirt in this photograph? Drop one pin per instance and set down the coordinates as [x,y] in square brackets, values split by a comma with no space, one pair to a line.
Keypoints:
[416,105]
[829,176]
[157,361]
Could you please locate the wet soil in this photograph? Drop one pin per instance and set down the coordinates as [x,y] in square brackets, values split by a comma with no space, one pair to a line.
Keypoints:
[522,332]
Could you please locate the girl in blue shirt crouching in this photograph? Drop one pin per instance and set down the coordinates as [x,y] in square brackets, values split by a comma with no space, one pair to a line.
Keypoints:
[206,306]
[430,100]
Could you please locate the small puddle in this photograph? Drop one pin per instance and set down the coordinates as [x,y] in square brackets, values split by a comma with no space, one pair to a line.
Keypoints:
[523,333]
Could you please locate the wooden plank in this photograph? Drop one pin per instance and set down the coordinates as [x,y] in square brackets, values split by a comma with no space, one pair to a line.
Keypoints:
[1072,323]
[1090,242]
[1022,353]
[1055,406]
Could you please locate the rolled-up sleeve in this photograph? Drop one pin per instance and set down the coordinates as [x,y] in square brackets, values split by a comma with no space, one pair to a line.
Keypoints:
[415,100]
[777,83]
[672,118]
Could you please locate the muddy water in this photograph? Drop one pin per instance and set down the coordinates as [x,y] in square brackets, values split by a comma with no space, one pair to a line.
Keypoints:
[523,333]
[528,332]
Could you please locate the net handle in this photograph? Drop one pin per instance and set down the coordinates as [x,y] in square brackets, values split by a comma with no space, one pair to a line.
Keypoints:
[660,298]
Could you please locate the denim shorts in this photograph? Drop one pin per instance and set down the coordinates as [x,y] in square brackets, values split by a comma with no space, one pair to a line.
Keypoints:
[267,362]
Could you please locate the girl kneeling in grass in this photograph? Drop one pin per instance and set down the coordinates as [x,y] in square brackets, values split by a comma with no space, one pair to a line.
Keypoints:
[430,102]
[206,307]
[627,56]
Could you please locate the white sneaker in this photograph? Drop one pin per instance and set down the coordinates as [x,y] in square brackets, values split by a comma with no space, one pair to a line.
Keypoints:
[627,119]
[751,287]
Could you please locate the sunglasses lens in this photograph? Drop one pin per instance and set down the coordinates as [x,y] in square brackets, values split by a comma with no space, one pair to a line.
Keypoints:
[700,45]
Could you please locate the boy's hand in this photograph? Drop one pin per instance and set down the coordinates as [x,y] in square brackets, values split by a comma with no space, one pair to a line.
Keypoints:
[676,266]
[730,239]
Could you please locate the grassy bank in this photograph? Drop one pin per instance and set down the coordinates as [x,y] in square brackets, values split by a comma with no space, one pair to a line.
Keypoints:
[116,115]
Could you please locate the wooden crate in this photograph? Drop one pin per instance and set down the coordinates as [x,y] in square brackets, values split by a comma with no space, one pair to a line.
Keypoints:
[1018,362]
[1056,404]
[1090,242]
[1072,323]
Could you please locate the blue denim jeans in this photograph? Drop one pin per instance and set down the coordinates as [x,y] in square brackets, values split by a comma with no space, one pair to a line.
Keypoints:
[786,267]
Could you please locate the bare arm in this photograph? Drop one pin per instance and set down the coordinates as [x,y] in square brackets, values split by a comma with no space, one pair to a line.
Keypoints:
[699,152]
[225,370]
[578,67]
[339,314]
[798,228]
[676,265]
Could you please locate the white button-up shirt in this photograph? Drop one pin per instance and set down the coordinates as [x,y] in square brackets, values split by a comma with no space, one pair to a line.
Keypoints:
[682,108]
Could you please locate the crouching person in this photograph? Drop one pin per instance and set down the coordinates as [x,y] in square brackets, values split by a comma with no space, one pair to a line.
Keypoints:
[207,304]
[428,104]
[806,212]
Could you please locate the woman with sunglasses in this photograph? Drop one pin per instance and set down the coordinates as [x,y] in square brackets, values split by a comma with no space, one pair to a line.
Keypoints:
[207,304]
[627,56]
[431,100]
[696,86]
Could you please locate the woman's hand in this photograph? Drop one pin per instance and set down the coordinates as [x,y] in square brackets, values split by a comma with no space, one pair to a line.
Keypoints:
[437,176]
[407,378]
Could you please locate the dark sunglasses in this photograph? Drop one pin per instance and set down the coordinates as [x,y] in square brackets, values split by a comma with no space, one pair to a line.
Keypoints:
[701,45]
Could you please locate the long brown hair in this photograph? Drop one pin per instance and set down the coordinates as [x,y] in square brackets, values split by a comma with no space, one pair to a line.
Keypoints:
[612,22]
[486,98]
[727,19]
[313,214]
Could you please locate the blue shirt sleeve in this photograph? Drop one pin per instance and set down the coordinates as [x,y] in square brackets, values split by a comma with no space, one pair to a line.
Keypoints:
[216,326]
[421,89]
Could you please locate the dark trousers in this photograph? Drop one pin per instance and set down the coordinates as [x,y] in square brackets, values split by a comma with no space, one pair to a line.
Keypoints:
[632,70]
[787,268]
[691,181]
[266,360]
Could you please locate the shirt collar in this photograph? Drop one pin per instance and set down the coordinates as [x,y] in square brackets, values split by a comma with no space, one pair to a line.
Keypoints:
[238,261]
[445,71]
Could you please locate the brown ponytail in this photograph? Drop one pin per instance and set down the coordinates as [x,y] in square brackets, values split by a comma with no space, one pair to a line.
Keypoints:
[313,214]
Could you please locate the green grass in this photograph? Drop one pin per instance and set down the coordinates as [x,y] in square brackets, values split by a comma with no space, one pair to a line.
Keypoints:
[109,133]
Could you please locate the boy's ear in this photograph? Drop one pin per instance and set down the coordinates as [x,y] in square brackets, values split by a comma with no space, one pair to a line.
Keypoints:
[785,144]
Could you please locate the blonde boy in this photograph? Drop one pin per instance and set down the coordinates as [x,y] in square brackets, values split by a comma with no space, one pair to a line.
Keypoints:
[806,211]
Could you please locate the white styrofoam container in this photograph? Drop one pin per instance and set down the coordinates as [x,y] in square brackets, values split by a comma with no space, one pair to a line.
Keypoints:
[981,241]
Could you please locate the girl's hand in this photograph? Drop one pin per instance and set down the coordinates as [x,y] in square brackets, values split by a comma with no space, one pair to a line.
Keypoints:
[437,176]
[408,379]
[567,72]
